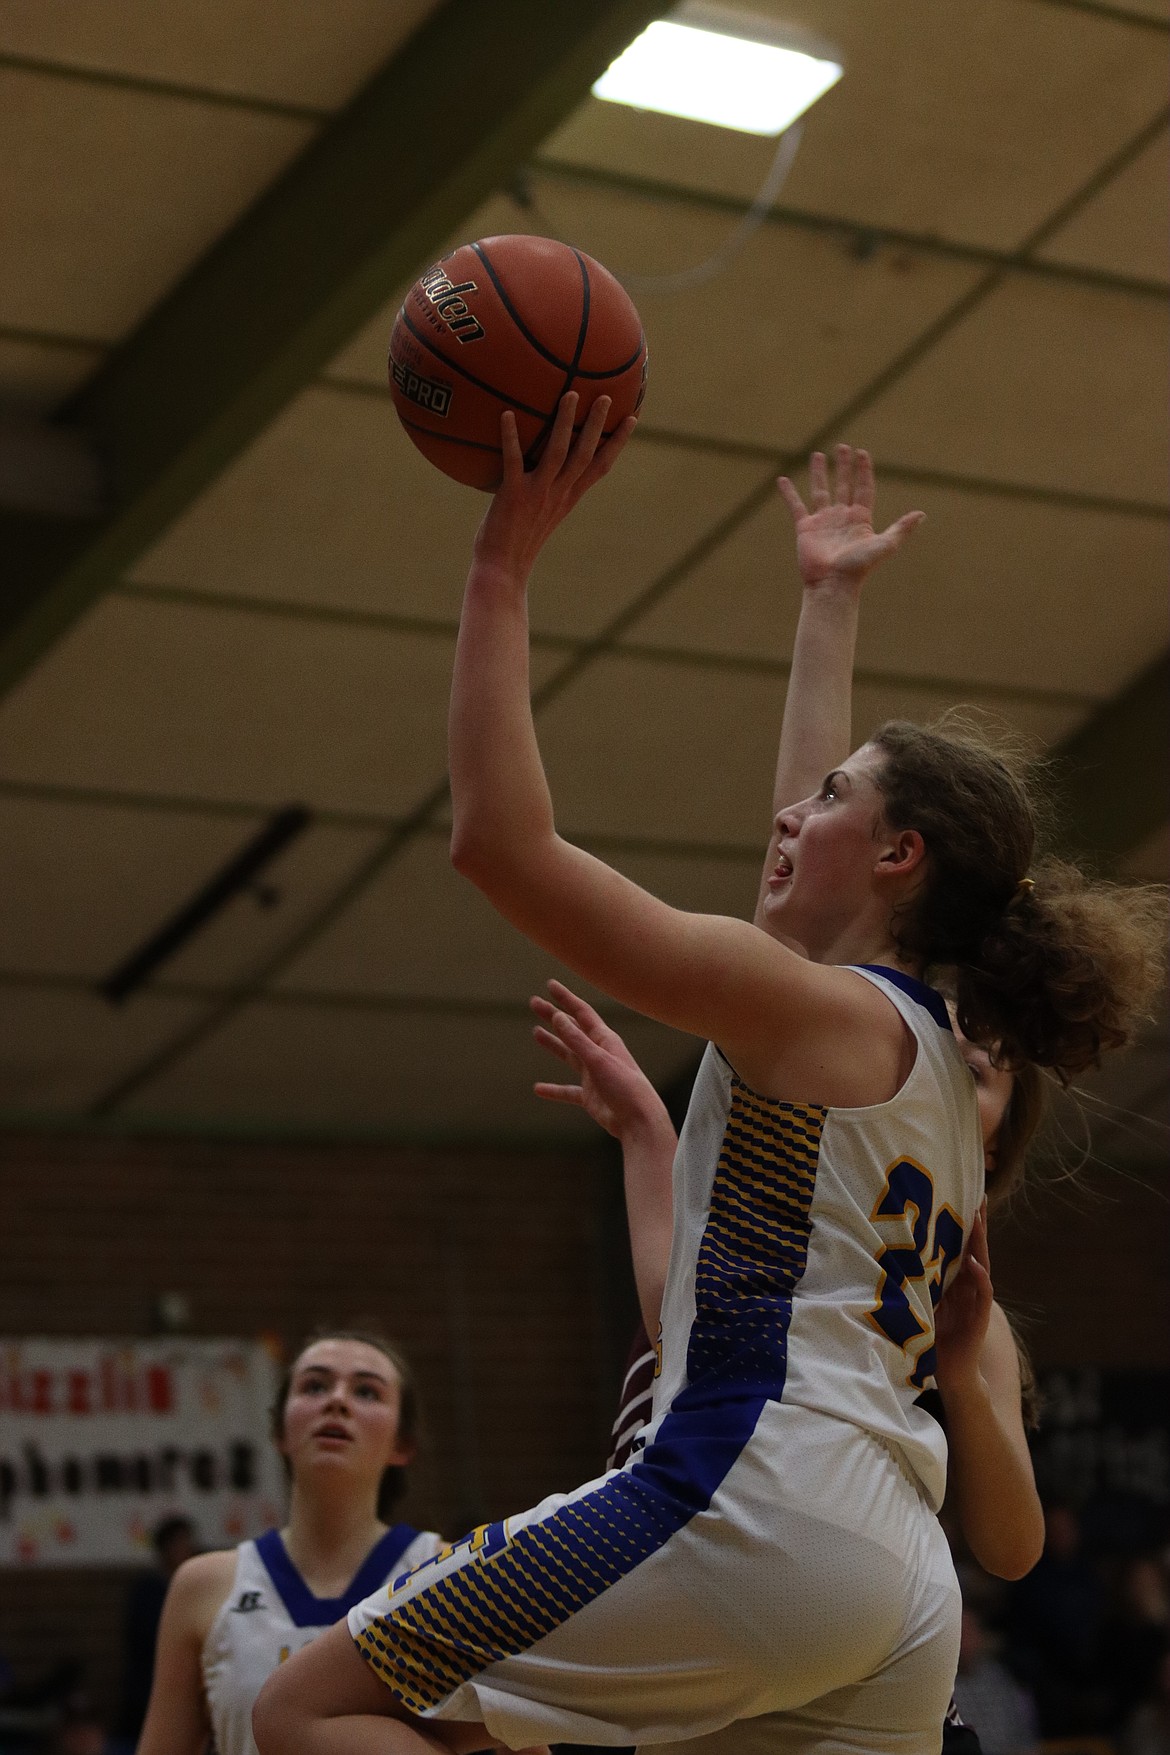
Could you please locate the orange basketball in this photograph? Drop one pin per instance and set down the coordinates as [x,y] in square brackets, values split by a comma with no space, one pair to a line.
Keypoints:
[511,322]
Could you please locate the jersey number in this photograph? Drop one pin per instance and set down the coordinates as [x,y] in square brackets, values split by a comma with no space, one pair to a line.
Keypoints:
[926,1247]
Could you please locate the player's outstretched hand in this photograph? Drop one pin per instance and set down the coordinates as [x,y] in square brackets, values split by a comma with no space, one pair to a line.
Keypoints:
[529,504]
[611,1086]
[964,1311]
[835,537]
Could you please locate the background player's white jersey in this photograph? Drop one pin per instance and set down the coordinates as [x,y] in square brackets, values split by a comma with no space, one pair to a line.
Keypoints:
[271,1612]
[811,1243]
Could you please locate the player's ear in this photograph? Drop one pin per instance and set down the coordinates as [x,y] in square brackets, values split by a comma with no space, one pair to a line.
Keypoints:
[903,852]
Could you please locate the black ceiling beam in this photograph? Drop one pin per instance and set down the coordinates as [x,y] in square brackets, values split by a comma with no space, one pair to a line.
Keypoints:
[450,118]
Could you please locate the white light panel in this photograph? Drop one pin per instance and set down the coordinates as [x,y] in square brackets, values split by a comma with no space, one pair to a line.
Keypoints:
[731,81]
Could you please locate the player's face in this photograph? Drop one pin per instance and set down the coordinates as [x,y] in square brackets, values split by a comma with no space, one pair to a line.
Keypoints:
[993,1093]
[829,848]
[343,1410]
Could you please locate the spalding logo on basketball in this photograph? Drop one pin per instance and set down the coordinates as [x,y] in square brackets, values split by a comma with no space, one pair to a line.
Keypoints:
[510,322]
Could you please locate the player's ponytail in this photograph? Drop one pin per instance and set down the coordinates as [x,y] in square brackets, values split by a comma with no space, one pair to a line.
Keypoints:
[1051,968]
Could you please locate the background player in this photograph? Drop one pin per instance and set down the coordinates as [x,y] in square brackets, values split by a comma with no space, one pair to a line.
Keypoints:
[345,1421]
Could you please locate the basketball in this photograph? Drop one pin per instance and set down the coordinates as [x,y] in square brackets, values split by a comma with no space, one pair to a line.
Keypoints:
[510,322]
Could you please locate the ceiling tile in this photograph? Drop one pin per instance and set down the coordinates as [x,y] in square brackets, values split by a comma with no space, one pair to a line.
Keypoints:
[305,54]
[332,506]
[769,350]
[199,702]
[298,886]
[971,123]
[1125,229]
[37,375]
[686,751]
[108,196]
[714,370]
[420,929]
[61,1050]
[1055,385]
[994,591]
[634,527]
[83,886]
[414,1073]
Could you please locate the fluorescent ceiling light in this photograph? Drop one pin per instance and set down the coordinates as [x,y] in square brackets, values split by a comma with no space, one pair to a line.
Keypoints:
[734,81]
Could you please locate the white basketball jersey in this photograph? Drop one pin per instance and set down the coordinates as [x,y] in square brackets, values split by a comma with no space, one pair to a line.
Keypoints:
[811,1243]
[271,1612]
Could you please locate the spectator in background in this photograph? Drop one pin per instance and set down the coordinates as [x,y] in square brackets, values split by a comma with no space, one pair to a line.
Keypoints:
[989,1699]
[1054,1624]
[1148,1731]
[80,1733]
[1135,1637]
[173,1541]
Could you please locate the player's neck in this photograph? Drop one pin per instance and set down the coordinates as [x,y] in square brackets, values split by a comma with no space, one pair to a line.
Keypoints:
[851,946]
[328,1535]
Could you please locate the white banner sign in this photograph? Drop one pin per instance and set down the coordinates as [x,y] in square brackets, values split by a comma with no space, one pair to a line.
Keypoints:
[100,1440]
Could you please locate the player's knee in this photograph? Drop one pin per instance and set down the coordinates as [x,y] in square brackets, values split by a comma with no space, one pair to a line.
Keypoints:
[280,1724]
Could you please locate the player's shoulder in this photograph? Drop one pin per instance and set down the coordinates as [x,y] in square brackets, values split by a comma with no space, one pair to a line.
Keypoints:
[200,1588]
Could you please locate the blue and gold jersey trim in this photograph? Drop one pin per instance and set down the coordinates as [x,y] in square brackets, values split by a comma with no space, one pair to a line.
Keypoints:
[511,1588]
[755,1242]
[503,1589]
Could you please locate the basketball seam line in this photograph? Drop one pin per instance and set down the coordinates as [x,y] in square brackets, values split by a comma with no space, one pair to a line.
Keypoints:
[500,395]
[525,331]
[570,371]
[615,371]
[546,353]
[449,438]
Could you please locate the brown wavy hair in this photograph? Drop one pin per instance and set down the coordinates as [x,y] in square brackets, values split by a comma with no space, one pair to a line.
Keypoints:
[392,1485]
[1051,968]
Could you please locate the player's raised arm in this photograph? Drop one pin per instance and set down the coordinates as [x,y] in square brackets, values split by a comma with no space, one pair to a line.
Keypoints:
[709,975]
[836,548]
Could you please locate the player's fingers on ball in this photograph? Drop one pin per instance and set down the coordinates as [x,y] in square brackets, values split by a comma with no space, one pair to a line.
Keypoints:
[818,480]
[844,459]
[589,438]
[612,448]
[560,439]
[513,456]
[608,453]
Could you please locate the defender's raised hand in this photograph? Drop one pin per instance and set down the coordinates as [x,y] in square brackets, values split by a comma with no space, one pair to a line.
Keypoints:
[835,537]
[612,1087]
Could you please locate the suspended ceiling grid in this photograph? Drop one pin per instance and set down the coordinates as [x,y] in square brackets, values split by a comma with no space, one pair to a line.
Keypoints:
[965,271]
